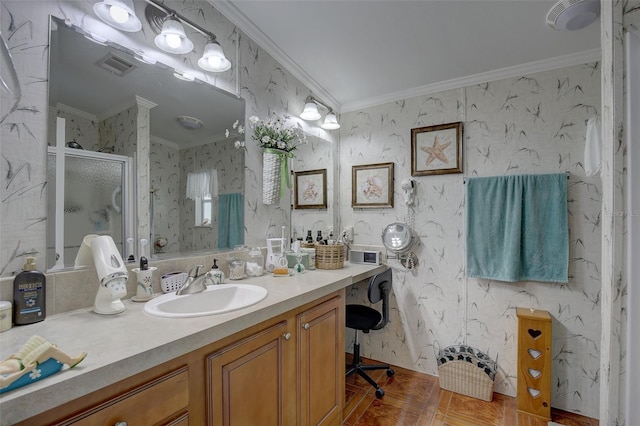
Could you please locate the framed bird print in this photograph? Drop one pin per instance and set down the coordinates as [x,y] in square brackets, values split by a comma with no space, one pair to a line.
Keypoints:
[436,150]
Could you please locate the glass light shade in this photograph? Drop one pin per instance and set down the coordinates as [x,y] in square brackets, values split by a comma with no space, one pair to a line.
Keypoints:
[173,39]
[310,112]
[213,58]
[119,14]
[330,122]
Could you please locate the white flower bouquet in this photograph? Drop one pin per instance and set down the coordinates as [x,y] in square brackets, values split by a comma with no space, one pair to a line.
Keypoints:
[274,134]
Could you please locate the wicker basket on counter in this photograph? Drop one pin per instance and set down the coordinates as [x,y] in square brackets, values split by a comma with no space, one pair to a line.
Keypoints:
[329,256]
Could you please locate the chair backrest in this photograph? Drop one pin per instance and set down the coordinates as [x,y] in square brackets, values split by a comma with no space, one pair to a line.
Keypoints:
[379,289]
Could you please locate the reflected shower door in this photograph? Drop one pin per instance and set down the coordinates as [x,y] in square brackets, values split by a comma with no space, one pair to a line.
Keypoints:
[93,199]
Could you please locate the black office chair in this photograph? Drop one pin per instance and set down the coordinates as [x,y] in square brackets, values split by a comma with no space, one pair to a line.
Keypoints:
[364,318]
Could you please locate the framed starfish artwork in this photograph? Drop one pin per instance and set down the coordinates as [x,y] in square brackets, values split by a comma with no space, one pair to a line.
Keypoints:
[372,186]
[310,189]
[436,150]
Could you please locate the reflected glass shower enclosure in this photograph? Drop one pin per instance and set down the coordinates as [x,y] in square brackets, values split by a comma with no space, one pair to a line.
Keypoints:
[87,194]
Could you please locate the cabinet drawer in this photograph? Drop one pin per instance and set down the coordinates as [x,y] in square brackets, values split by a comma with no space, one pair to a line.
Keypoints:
[160,400]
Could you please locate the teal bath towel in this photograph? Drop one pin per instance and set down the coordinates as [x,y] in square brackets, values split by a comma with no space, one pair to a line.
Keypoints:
[517,228]
[230,220]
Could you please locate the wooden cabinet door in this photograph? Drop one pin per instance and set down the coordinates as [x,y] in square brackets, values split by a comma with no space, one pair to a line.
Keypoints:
[321,364]
[253,381]
[164,400]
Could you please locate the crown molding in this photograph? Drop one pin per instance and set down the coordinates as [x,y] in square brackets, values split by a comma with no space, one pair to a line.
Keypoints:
[240,20]
[563,61]
[165,142]
[76,112]
[134,100]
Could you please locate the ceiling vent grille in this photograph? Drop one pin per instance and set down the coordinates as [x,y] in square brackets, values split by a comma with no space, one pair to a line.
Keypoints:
[116,65]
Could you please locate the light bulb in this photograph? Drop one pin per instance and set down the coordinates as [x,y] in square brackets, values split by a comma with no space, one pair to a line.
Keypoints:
[118,14]
[173,40]
[214,61]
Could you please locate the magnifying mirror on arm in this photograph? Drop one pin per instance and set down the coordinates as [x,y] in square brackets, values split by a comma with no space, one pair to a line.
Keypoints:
[398,238]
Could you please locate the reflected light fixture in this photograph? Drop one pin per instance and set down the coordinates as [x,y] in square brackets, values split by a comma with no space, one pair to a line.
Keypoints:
[311,113]
[213,58]
[184,76]
[173,39]
[120,14]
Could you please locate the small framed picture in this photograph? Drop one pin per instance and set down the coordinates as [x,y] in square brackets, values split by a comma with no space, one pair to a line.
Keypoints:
[310,189]
[372,186]
[436,150]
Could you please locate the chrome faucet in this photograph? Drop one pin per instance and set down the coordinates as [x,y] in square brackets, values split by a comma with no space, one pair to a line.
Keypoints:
[195,283]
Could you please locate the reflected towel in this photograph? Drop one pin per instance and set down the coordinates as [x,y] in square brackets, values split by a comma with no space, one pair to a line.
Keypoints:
[517,228]
[230,220]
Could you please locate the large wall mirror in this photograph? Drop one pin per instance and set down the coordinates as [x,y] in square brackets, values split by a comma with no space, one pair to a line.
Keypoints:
[95,91]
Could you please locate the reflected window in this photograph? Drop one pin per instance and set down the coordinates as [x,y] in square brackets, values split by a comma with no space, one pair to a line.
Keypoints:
[204,207]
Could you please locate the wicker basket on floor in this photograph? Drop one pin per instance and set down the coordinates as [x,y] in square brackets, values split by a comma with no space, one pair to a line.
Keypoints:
[467,379]
[466,370]
[329,256]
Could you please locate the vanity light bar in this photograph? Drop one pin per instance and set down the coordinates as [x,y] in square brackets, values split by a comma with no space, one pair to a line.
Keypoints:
[213,59]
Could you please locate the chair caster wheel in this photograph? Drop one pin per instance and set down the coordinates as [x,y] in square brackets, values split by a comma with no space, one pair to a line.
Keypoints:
[390,372]
[379,393]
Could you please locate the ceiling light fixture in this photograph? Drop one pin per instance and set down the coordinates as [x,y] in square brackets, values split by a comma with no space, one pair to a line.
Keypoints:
[119,14]
[213,58]
[173,39]
[311,113]
[189,123]
[572,15]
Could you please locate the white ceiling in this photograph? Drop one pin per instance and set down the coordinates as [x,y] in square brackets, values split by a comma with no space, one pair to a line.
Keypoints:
[359,53]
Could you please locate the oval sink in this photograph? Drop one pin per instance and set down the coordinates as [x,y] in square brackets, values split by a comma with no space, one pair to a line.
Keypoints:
[216,299]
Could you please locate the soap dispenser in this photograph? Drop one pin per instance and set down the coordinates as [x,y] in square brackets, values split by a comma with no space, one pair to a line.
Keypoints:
[216,275]
[29,298]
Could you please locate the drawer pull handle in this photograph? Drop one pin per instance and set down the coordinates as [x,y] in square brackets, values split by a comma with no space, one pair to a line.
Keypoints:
[306,326]
[286,336]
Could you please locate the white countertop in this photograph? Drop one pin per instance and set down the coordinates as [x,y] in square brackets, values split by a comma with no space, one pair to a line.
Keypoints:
[126,344]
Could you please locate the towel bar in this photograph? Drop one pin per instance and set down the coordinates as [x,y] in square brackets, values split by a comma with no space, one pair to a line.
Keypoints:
[464,180]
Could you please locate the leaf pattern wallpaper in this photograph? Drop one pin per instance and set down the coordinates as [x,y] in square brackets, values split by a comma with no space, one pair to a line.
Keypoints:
[530,124]
[265,85]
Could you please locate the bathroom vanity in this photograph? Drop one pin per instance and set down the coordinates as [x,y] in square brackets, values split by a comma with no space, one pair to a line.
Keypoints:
[280,361]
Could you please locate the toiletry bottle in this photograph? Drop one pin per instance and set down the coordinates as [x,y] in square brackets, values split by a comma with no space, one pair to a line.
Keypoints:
[216,274]
[309,237]
[29,301]
[331,241]
[319,239]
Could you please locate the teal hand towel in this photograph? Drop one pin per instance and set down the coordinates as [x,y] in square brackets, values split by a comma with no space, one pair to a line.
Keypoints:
[517,228]
[230,220]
